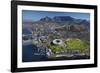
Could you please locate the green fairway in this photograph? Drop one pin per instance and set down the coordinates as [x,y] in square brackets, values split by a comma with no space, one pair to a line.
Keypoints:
[77,44]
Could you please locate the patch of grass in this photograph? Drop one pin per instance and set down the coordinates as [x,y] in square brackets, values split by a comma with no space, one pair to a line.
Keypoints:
[71,44]
[77,44]
[56,47]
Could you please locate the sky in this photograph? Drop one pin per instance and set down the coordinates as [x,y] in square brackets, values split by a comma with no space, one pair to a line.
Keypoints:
[31,15]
